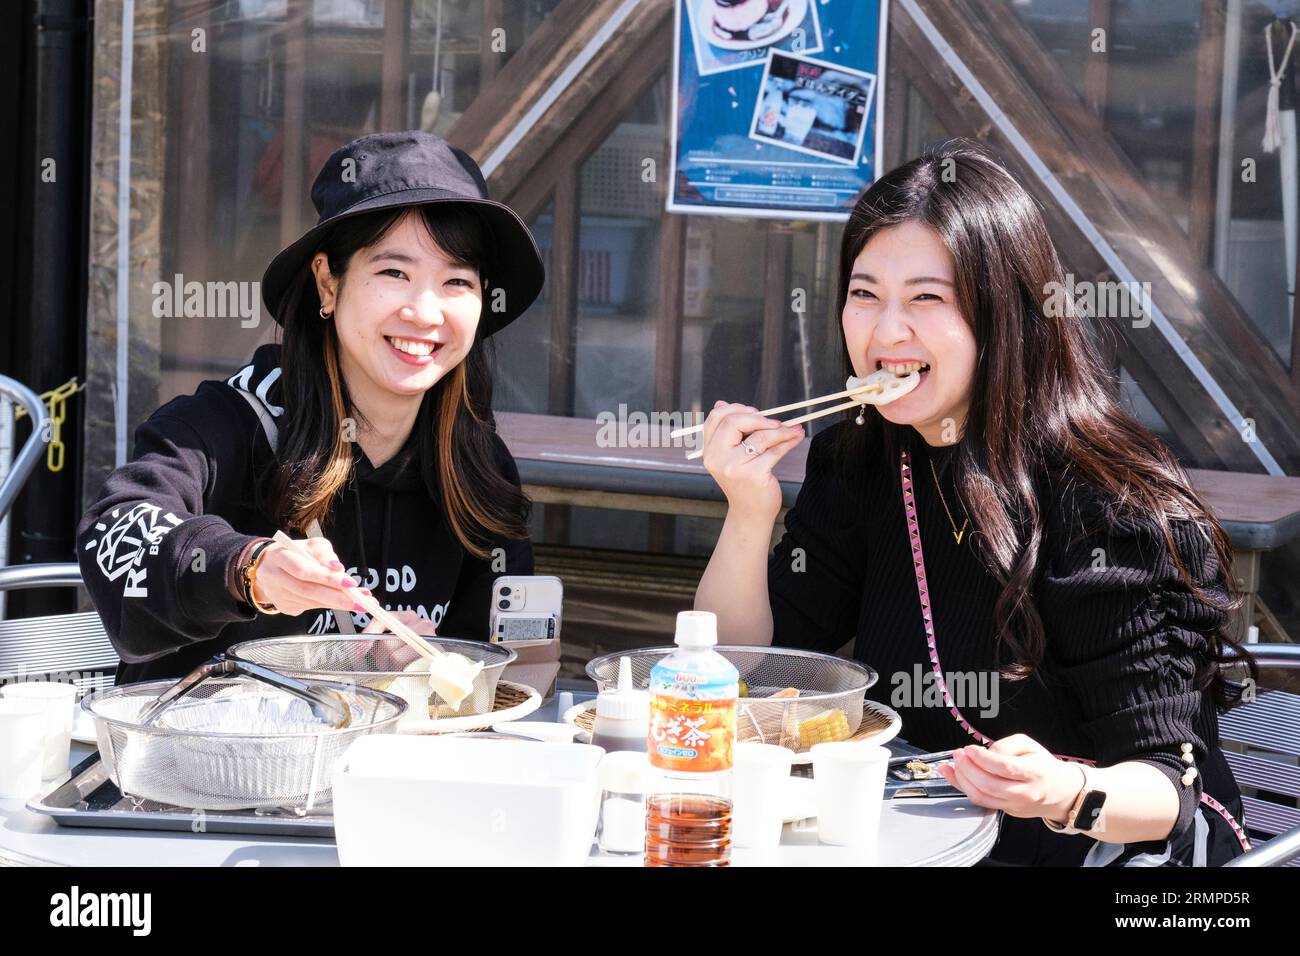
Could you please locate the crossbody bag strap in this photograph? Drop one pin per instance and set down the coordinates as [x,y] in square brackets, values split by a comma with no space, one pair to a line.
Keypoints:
[342,618]
[927,619]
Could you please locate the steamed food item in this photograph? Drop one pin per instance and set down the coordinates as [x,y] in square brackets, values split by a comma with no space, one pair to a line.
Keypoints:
[828,726]
[882,386]
[451,677]
[879,388]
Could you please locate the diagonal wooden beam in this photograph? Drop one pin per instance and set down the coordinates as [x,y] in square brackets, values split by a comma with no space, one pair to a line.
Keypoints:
[644,67]
[541,68]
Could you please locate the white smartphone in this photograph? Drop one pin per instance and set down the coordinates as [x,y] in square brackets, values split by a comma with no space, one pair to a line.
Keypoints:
[526,608]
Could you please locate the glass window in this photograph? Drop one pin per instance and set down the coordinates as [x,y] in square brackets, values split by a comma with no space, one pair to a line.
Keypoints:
[618,261]
[250,120]
[522,378]
[1149,72]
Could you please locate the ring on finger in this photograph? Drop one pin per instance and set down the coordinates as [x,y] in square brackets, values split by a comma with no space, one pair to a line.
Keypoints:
[749,449]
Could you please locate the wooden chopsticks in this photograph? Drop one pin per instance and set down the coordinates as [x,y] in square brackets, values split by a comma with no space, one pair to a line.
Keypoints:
[871,389]
[373,607]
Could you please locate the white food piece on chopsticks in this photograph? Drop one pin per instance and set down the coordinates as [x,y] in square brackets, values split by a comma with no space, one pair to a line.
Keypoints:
[451,676]
[881,387]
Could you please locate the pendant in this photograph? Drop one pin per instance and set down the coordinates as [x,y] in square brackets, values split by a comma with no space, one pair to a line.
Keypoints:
[860,420]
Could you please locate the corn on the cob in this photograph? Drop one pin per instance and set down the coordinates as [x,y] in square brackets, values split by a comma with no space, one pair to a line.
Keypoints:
[829,725]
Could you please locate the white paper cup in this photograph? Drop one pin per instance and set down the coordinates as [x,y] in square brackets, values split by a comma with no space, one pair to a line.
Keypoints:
[850,779]
[758,794]
[60,701]
[22,747]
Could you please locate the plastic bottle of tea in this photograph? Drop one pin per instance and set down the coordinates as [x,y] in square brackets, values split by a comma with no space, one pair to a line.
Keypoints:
[691,746]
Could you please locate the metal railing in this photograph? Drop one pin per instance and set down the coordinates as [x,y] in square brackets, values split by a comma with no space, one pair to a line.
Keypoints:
[25,463]
[15,472]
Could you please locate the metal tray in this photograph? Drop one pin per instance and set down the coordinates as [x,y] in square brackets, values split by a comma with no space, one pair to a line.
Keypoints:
[90,799]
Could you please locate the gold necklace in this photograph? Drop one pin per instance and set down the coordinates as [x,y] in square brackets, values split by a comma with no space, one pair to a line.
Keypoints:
[955,533]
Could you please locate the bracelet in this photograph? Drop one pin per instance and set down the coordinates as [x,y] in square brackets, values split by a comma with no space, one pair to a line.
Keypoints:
[250,577]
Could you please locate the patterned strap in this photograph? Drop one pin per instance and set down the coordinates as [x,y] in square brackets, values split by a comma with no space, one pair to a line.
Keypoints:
[342,618]
[923,591]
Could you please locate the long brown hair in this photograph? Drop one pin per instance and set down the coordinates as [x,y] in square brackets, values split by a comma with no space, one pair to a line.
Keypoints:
[453,428]
[1042,406]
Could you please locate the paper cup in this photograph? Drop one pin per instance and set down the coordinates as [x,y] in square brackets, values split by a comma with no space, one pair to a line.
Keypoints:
[59,701]
[758,794]
[850,779]
[22,747]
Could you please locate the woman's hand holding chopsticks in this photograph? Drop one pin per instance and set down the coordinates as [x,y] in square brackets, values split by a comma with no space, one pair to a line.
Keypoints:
[741,447]
[295,582]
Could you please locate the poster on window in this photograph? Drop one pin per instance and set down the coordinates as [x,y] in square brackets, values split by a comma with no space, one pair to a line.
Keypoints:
[777,106]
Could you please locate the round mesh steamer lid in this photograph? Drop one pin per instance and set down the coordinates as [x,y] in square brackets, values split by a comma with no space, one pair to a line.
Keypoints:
[696,629]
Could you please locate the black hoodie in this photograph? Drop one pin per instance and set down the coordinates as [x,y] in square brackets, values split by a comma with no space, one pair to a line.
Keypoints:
[156,546]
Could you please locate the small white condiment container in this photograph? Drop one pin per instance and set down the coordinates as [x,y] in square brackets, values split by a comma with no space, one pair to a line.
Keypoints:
[623,779]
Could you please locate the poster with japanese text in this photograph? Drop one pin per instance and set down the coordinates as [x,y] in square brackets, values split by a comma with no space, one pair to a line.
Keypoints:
[777,106]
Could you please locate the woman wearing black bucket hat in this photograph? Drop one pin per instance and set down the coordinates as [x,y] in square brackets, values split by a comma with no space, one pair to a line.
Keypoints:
[368,427]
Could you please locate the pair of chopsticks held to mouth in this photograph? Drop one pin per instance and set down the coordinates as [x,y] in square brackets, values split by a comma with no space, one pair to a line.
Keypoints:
[878,388]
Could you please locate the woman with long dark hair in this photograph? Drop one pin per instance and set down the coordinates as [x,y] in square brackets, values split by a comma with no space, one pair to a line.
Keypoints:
[1025,565]
[368,427]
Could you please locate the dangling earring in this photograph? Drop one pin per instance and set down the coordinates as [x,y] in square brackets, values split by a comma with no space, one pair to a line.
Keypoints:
[860,420]
[323,315]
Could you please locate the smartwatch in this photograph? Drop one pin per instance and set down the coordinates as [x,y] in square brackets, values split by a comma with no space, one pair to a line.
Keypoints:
[1085,814]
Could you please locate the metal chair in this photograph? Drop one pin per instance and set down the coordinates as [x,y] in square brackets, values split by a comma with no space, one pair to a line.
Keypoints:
[71,647]
[1262,746]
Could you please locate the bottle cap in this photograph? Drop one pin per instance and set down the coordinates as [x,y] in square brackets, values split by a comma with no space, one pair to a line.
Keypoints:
[696,629]
[624,702]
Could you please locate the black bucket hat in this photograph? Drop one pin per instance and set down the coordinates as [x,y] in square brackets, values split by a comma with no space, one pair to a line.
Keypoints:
[412,168]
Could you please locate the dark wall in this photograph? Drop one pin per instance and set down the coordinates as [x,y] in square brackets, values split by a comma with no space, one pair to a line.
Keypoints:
[44,70]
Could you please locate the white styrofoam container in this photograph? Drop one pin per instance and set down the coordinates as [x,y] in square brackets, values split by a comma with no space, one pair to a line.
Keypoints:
[426,800]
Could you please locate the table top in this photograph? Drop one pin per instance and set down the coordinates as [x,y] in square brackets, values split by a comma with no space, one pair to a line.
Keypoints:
[1259,512]
[949,832]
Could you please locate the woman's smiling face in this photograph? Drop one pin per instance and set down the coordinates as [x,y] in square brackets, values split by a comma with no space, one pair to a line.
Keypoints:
[901,311]
[405,313]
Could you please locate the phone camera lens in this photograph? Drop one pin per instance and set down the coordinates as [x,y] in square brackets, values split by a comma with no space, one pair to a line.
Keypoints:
[505,592]
[504,605]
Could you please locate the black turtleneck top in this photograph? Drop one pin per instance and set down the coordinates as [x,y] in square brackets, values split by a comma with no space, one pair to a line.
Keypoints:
[1124,634]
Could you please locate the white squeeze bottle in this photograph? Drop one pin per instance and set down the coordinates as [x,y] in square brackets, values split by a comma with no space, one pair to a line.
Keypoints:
[691,746]
[622,714]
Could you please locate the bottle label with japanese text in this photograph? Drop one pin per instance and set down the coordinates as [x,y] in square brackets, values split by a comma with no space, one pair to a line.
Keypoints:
[692,720]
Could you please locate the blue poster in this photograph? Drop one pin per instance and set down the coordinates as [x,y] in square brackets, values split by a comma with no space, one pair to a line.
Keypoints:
[777,106]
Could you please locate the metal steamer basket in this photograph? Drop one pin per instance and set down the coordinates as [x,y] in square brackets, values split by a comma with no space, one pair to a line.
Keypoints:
[233,737]
[377,663]
[824,682]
